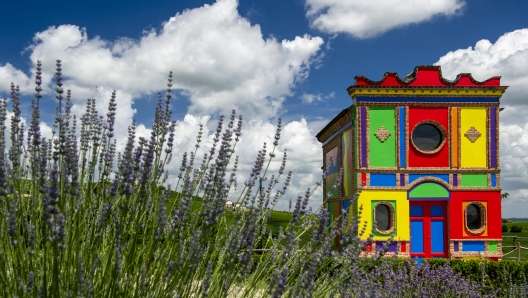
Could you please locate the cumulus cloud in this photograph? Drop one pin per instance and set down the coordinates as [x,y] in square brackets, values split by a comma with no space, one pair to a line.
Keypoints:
[363,19]
[218,58]
[9,74]
[507,57]
[311,98]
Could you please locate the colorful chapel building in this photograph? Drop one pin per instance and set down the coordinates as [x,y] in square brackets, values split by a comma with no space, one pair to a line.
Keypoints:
[423,154]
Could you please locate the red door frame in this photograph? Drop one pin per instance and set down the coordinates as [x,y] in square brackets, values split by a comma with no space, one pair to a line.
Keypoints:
[427,218]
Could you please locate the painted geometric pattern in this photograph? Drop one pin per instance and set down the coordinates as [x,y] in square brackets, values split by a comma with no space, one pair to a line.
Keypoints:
[382,134]
[348,162]
[472,134]
[331,174]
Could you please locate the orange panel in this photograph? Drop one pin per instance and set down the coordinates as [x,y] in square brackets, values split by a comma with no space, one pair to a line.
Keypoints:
[454,138]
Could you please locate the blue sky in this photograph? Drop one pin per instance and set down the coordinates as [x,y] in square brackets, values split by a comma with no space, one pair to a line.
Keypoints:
[269,59]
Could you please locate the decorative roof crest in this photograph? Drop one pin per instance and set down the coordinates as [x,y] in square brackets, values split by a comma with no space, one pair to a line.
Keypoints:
[426,76]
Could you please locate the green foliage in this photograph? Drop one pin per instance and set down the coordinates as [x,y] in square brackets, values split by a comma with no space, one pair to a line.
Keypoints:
[510,240]
[504,228]
[516,229]
[495,275]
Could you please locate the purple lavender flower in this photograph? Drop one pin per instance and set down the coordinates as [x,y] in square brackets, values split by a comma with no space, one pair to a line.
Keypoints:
[12,221]
[17,129]
[3,162]
[277,133]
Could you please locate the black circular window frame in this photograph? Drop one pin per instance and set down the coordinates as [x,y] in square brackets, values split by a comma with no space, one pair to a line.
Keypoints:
[443,135]
[478,224]
[390,219]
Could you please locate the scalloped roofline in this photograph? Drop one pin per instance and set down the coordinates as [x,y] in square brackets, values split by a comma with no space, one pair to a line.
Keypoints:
[425,76]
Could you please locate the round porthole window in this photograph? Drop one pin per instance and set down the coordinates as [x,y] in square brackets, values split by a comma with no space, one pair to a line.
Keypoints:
[384,217]
[475,217]
[428,137]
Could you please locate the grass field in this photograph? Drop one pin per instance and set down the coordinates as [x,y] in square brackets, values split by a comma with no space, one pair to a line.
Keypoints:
[276,220]
[510,241]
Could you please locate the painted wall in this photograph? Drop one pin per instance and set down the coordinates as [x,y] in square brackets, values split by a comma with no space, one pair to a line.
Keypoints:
[473,153]
[348,162]
[401,210]
[417,158]
[493,215]
[331,165]
[382,153]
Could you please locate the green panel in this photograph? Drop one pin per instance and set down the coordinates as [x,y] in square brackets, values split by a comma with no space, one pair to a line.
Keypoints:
[376,233]
[492,246]
[382,154]
[475,180]
[429,190]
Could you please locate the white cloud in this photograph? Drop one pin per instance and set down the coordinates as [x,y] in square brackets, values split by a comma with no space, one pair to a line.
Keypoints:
[311,98]
[507,57]
[218,58]
[9,74]
[363,19]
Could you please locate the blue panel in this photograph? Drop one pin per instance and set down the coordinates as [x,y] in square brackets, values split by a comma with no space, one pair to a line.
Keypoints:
[437,235]
[382,179]
[403,160]
[493,180]
[414,177]
[418,260]
[345,205]
[437,211]
[416,211]
[417,237]
[426,99]
[472,245]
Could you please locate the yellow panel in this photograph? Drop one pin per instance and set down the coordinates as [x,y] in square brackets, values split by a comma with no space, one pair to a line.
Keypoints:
[402,211]
[473,153]
[472,258]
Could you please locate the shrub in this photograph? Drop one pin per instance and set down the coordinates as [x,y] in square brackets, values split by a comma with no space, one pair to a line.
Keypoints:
[516,229]
[504,228]
[505,276]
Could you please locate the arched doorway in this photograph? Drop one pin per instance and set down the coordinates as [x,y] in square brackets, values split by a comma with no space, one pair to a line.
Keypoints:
[428,220]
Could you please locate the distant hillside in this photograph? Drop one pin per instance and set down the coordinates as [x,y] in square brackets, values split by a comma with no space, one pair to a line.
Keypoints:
[518,218]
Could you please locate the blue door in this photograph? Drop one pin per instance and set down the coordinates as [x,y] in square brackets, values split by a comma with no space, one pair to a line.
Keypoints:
[428,229]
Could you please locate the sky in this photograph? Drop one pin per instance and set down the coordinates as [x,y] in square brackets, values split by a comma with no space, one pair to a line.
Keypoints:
[268,59]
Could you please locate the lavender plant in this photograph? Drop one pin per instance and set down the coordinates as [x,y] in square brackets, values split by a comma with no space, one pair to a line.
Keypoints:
[80,219]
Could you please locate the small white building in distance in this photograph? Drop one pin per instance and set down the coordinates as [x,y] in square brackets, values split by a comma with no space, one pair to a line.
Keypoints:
[229,204]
